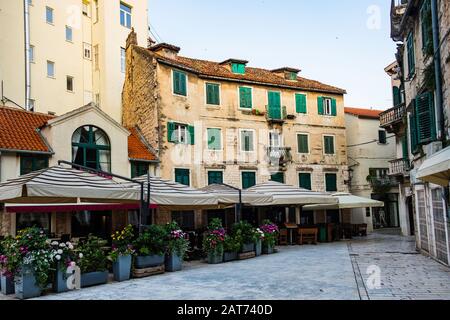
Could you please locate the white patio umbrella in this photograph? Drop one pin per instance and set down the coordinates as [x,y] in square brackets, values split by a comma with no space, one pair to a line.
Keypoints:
[64,185]
[171,194]
[283,194]
[436,169]
[228,195]
[346,201]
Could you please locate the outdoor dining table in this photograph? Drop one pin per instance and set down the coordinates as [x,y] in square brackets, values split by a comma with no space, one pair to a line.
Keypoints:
[291,227]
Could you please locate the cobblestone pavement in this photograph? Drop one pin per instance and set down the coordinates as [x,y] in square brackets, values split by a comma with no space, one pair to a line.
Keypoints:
[336,271]
[404,273]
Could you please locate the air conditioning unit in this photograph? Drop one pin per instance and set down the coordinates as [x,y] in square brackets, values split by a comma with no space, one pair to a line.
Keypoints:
[433,148]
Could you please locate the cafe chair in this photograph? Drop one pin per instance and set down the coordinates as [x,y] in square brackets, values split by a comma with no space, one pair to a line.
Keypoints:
[283,237]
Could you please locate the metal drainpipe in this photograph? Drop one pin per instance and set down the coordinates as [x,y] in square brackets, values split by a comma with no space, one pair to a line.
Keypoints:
[27,54]
[438,72]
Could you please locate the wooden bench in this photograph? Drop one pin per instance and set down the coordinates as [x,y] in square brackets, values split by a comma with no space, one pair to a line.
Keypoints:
[307,235]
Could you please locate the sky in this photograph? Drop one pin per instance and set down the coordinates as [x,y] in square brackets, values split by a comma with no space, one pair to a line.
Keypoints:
[344,43]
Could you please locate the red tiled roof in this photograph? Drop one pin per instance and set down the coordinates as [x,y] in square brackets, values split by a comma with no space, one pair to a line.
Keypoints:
[18,130]
[263,76]
[137,150]
[365,113]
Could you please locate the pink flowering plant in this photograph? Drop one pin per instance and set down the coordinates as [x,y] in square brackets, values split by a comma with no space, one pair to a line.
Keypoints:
[177,240]
[270,231]
[213,241]
[122,243]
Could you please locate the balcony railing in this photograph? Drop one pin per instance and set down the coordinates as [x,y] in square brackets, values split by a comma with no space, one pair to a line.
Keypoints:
[276,114]
[382,183]
[399,167]
[279,155]
[392,116]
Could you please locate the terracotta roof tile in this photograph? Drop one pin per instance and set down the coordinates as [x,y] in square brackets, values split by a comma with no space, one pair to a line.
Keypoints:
[137,150]
[216,69]
[365,113]
[18,130]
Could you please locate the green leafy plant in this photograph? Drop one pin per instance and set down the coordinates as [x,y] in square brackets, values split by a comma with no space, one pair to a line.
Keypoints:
[90,255]
[214,238]
[122,243]
[153,241]
[244,233]
[177,240]
[231,244]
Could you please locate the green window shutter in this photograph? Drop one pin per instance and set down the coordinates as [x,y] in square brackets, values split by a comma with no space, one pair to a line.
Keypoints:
[305,181]
[382,137]
[425,118]
[170,132]
[302,143]
[333,107]
[411,55]
[300,103]
[191,130]
[274,105]
[245,98]
[331,182]
[329,144]
[215,177]
[413,134]
[179,83]
[426,26]
[31,163]
[248,179]
[214,139]
[396,95]
[238,68]
[212,94]
[176,82]
[320,105]
[182,176]
[277,177]
[405,147]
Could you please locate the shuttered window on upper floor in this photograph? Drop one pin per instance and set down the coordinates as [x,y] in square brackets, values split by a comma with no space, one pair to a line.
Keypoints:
[411,55]
[179,83]
[327,106]
[245,98]
[425,118]
[300,103]
[213,94]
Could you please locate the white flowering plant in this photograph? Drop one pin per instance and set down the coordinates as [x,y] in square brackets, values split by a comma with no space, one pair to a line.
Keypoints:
[63,254]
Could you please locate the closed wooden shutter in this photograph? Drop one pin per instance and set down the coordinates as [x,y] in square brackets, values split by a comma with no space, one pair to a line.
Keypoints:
[305,181]
[215,177]
[212,94]
[300,103]
[191,130]
[411,55]
[214,139]
[413,134]
[245,98]
[333,107]
[425,118]
[170,132]
[331,182]
[248,179]
[182,176]
[302,141]
[320,105]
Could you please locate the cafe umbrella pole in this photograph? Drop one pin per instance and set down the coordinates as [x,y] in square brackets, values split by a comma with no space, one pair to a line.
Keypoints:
[238,206]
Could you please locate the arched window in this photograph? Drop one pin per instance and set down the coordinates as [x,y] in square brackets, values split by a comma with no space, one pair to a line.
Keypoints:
[91,148]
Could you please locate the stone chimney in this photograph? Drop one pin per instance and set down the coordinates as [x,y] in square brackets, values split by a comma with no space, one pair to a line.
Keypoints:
[132,39]
[165,50]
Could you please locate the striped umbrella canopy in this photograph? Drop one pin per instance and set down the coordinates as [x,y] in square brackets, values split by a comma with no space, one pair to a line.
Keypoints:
[167,193]
[283,194]
[228,195]
[65,185]
[347,201]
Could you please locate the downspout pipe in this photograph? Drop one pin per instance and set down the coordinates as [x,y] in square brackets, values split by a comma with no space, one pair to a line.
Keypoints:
[26,9]
[438,70]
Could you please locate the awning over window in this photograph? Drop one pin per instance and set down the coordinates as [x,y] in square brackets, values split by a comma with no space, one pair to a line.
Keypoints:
[436,169]
[347,201]
[228,195]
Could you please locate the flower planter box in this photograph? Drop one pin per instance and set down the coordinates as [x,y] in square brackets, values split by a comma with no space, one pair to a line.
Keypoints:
[94,278]
[258,248]
[143,262]
[248,247]
[268,249]
[173,263]
[122,268]
[60,281]
[230,256]
[214,258]
[7,285]
[25,286]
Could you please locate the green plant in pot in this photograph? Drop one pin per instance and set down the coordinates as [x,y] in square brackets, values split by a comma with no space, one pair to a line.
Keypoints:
[213,242]
[151,247]
[92,261]
[246,235]
[177,246]
[231,248]
[271,232]
[122,253]
[6,276]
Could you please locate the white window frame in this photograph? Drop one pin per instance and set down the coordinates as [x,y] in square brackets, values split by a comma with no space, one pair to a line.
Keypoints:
[123,60]
[327,106]
[179,131]
[54,69]
[87,47]
[69,28]
[280,139]
[73,84]
[240,176]
[334,144]
[241,145]
[47,8]
[206,95]
[239,99]
[173,84]
[221,140]
[31,54]
[126,14]
[309,140]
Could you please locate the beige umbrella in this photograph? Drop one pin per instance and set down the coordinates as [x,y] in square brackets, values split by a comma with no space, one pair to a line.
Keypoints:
[228,195]
[436,169]
[346,201]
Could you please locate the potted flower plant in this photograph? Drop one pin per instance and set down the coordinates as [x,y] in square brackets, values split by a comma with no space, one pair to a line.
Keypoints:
[92,262]
[213,242]
[6,276]
[177,246]
[122,253]
[231,248]
[63,255]
[150,247]
[270,236]
[245,234]
[259,240]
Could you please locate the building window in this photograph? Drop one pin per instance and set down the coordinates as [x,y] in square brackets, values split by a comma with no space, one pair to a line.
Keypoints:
[215,177]
[277,177]
[382,137]
[300,103]
[238,68]
[96,58]
[214,139]
[327,106]
[184,219]
[425,120]
[87,49]
[331,182]
[138,169]
[31,54]
[69,34]
[91,148]
[248,179]
[328,145]
[50,69]
[182,176]
[427,27]
[180,133]
[179,83]
[49,15]
[411,56]
[275,140]
[123,55]
[30,163]
[245,98]
[303,143]
[213,94]
[28,220]
[125,15]
[247,143]
[305,180]
[69,83]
